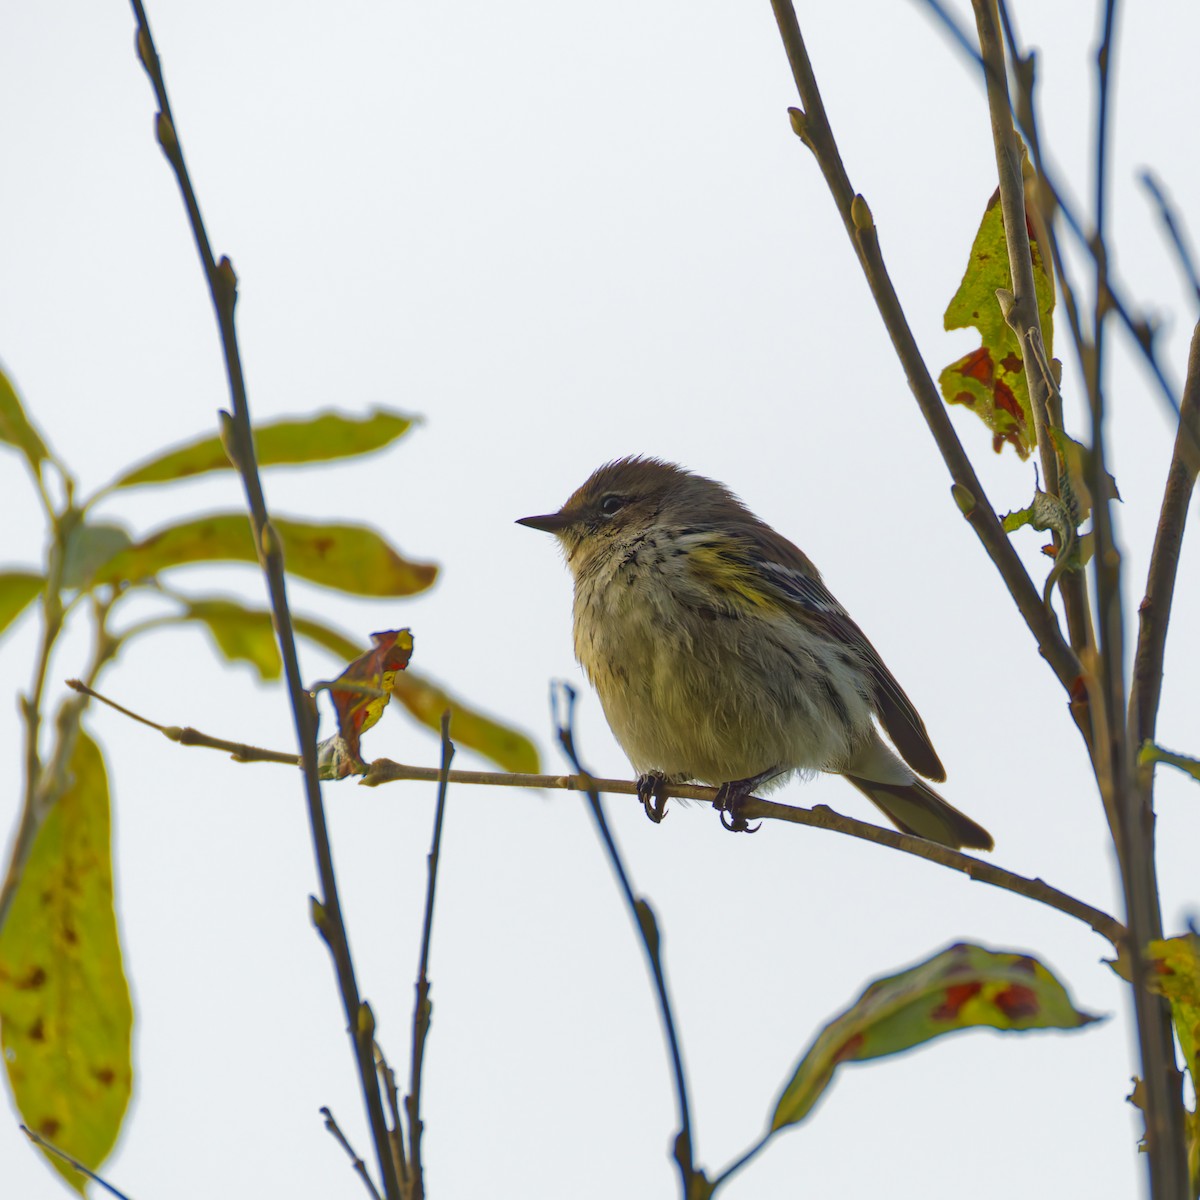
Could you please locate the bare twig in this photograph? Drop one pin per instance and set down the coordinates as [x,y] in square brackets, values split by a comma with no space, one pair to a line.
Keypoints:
[391,1093]
[813,127]
[1155,611]
[51,1148]
[185,735]
[383,770]
[356,1162]
[1174,231]
[423,1009]
[238,438]
[692,1180]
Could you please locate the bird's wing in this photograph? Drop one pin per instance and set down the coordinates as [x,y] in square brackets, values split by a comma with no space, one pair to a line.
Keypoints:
[790,570]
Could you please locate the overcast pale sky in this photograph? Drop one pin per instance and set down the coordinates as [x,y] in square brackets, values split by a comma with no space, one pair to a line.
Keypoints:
[563,233]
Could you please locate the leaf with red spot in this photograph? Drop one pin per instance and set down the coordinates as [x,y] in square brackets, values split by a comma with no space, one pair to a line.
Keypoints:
[1175,973]
[962,987]
[65,1015]
[991,380]
[364,691]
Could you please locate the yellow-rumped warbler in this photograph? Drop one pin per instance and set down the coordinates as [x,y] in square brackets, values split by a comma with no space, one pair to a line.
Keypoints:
[720,656]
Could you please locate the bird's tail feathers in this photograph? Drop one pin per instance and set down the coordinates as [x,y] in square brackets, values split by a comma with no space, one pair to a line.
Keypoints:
[915,808]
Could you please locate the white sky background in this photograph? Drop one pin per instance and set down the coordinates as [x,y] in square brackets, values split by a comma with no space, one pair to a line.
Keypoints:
[565,233]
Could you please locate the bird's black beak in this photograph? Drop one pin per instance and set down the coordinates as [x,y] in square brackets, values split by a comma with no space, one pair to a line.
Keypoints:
[550,523]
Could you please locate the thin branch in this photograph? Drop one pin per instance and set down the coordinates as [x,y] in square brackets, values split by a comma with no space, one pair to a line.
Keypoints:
[391,1093]
[1132,807]
[1187,263]
[185,735]
[383,770]
[356,1162]
[1155,611]
[1139,331]
[238,438]
[813,127]
[692,1180]
[51,1148]
[1021,313]
[423,1009]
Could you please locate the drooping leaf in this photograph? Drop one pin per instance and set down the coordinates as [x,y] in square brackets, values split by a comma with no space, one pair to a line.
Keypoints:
[1151,753]
[991,381]
[65,1014]
[89,547]
[351,558]
[427,700]
[17,592]
[320,438]
[1175,974]
[241,634]
[16,428]
[360,694]
[506,747]
[962,987]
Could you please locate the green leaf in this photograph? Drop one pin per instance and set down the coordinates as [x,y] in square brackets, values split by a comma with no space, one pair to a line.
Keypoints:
[320,438]
[89,547]
[244,634]
[962,987]
[1175,974]
[506,747]
[351,558]
[1150,753]
[16,429]
[17,591]
[991,380]
[324,635]
[240,634]
[65,1015]
[1175,966]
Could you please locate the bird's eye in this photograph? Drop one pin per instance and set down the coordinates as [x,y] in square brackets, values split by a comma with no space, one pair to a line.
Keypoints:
[612,504]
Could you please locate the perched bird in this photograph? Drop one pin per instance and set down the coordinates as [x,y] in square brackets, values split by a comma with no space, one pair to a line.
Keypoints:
[720,656]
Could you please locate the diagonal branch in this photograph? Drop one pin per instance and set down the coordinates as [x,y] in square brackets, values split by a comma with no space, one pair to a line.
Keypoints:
[1021,312]
[1187,264]
[813,127]
[1141,333]
[238,439]
[1155,611]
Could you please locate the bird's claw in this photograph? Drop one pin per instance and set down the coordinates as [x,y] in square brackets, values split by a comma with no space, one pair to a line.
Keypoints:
[729,800]
[652,792]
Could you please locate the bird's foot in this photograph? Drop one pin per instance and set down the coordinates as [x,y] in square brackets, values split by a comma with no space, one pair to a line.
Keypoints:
[652,792]
[731,797]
